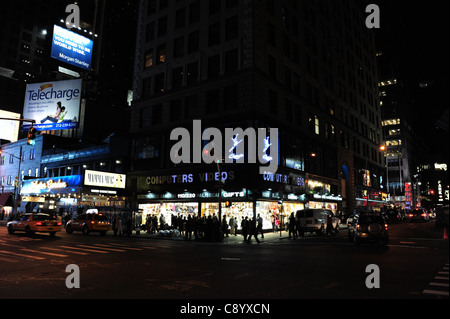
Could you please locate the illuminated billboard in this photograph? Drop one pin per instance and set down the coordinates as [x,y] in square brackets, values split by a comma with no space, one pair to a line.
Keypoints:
[53,105]
[71,48]
[9,129]
[104,179]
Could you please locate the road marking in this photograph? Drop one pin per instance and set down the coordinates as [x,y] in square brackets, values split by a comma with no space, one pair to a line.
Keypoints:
[110,249]
[44,252]
[21,255]
[85,249]
[443,272]
[65,250]
[439,284]
[441,278]
[436,292]
[231,259]
[121,246]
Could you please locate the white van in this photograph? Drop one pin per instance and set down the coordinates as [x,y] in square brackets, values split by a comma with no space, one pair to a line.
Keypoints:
[315,220]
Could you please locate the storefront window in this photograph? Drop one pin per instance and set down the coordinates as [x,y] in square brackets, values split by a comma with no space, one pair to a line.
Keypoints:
[165,211]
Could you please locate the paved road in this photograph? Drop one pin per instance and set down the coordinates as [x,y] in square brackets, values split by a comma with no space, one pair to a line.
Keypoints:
[413,266]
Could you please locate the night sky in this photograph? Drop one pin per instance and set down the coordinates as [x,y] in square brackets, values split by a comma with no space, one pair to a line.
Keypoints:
[418,34]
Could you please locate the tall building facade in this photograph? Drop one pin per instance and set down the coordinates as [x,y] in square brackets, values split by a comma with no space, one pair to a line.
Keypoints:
[307,68]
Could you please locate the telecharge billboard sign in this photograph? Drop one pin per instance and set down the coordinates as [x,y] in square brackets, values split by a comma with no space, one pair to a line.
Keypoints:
[53,105]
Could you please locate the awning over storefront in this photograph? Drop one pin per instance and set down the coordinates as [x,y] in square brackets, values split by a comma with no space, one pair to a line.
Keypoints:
[6,199]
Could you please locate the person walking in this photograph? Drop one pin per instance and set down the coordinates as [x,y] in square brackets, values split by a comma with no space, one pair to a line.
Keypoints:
[245,227]
[260,226]
[329,225]
[292,223]
[224,227]
[253,231]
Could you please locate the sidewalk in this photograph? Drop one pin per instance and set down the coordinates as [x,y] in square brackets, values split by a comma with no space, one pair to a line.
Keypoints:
[231,239]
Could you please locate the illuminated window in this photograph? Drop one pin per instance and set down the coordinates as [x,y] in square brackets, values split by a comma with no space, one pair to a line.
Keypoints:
[394,143]
[390,122]
[316,125]
[394,132]
[149,59]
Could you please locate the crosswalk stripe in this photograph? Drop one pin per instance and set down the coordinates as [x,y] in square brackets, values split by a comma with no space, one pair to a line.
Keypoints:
[436,292]
[121,246]
[85,249]
[43,252]
[110,249]
[65,250]
[21,255]
[438,284]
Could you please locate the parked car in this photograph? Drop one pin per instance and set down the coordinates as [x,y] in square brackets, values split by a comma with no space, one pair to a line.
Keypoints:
[315,220]
[369,228]
[417,215]
[89,222]
[34,223]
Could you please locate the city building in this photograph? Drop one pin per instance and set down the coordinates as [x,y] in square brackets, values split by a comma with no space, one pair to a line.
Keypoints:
[307,68]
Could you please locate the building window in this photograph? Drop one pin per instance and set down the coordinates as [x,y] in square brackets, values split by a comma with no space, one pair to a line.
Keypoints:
[180,18]
[32,154]
[177,77]
[193,41]
[192,73]
[178,47]
[194,12]
[231,61]
[214,34]
[161,53]
[162,26]
[231,28]
[213,66]
[159,84]
[149,58]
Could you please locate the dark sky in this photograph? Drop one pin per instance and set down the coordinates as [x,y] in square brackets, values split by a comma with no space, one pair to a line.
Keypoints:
[418,34]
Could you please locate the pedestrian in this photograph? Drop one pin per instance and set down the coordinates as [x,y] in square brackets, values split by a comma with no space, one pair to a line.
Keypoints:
[224,227]
[259,228]
[232,223]
[114,225]
[292,223]
[245,227]
[119,225]
[329,225]
[253,231]
[189,228]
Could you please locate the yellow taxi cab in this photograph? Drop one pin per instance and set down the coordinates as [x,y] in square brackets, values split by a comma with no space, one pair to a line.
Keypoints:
[89,222]
[34,223]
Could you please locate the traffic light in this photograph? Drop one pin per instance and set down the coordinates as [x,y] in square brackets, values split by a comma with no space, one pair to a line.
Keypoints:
[31,136]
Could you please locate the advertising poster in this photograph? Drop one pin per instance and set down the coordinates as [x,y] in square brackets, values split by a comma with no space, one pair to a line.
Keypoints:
[53,105]
[9,129]
[71,48]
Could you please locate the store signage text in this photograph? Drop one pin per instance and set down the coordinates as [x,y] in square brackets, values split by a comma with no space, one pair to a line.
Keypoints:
[284,179]
[234,149]
[49,185]
[190,178]
[104,179]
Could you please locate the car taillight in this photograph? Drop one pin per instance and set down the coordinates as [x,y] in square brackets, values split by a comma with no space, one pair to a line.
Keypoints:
[39,224]
[424,215]
[410,215]
[92,222]
[59,224]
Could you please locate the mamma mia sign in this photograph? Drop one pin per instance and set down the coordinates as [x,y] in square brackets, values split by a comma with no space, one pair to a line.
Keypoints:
[210,146]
